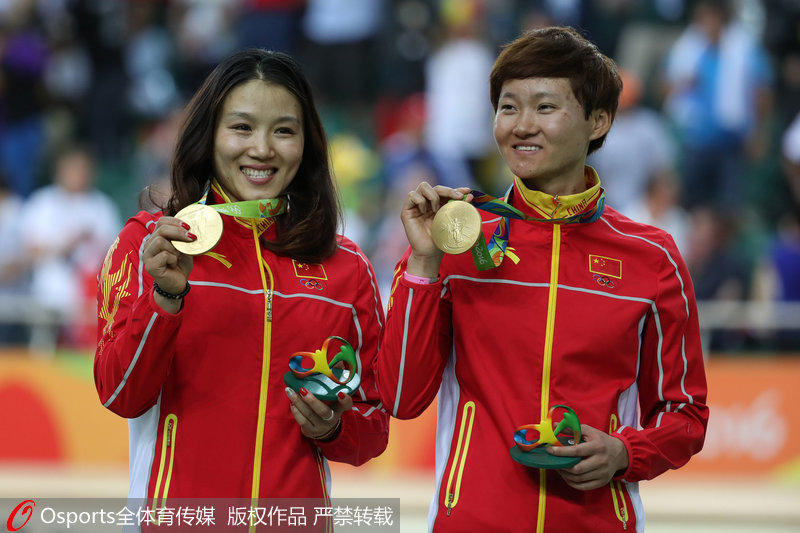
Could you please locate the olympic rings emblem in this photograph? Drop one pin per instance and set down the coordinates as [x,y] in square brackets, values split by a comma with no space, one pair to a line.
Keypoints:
[312,284]
[603,280]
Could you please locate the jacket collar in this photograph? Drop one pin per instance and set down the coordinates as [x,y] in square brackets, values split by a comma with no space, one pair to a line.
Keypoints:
[542,205]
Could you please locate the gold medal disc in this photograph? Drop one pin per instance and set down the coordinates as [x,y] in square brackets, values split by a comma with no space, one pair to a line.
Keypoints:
[204,222]
[456,227]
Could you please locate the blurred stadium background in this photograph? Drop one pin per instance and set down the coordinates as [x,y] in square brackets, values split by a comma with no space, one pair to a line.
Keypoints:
[396,81]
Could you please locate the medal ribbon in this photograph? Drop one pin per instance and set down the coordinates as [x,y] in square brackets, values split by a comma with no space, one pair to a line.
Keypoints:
[490,255]
[266,208]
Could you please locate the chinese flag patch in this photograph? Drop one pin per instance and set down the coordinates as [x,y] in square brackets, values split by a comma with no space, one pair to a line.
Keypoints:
[607,266]
[309,270]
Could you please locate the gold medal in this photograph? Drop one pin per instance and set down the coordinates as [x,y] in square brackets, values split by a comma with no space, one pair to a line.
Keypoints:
[206,223]
[456,227]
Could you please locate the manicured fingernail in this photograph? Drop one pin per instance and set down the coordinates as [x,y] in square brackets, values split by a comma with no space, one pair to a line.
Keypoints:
[341,395]
[303,391]
[192,236]
[289,393]
[185,225]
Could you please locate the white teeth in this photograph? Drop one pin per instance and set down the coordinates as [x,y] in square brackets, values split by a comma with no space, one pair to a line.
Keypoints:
[257,174]
[528,148]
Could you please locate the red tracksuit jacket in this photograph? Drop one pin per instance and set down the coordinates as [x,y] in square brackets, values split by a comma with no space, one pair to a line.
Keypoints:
[204,388]
[599,316]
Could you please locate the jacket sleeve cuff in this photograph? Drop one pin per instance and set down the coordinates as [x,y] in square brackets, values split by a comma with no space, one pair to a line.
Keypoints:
[626,475]
[151,303]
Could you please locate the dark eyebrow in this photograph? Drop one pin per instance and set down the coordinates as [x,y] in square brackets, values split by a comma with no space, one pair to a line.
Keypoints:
[238,114]
[287,118]
[247,116]
[536,96]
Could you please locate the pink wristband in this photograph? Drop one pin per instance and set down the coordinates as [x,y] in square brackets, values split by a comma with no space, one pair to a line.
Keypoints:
[420,280]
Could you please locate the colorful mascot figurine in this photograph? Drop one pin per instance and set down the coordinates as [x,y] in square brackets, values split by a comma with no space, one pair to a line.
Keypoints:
[533,452]
[321,377]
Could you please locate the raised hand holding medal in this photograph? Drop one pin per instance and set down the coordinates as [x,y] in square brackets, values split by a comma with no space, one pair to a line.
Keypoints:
[206,224]
[194,230]
[417,216]
[169,268]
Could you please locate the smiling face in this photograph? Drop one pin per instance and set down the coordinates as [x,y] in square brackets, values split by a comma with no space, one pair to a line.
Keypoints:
[258,142]
[543,135]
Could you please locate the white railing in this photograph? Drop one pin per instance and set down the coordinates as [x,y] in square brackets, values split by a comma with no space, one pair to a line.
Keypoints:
[23,311]
[751,316]
[757,318]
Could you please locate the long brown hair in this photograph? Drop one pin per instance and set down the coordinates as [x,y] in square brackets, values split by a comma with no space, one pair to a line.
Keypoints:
[307,231]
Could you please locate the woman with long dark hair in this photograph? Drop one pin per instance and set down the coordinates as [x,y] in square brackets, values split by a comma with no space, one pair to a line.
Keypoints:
[251,228]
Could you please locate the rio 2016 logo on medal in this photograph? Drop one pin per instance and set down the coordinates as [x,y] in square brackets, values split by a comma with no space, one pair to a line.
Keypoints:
[456,227]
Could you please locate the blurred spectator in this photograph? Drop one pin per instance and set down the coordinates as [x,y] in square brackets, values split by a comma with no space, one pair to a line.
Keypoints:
[203,30]
[67,77]
[791,158]
[354,165]
[716,271]
[23,56]
[340,60]
[67,227]
[149,56]
[719,95]
[660,208]
[785,258]
[152,160]
[782,38]
[718,274]
[459,114]
[406,163]
[601,21]
[404,44]
[645,40]
[270,24]
[104,117]
[777,278]
[402,141]
[638,150]
[13,264]
[390,236]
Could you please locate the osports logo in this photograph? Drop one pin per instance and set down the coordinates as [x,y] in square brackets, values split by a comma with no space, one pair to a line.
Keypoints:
[21,510]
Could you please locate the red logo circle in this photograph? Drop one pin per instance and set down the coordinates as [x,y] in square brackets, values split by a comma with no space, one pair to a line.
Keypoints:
[24,508]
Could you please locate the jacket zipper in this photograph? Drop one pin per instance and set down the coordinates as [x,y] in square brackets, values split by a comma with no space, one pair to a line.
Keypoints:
[460,457]
[617,494]
[167,447]
[267,286]
[547,359]
[326,499]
